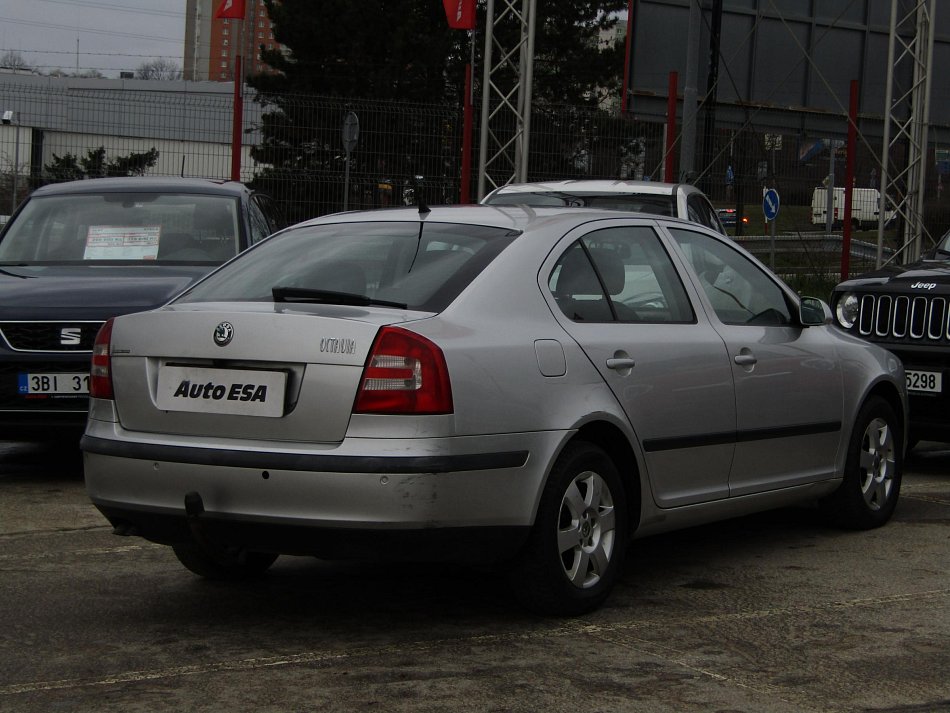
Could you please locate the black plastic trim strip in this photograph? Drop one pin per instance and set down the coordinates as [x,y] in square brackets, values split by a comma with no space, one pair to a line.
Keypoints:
[654,445]
[304,461]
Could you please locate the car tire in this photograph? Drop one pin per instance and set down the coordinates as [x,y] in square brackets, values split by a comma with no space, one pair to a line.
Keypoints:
[576,548]
[244,565]
[869,491]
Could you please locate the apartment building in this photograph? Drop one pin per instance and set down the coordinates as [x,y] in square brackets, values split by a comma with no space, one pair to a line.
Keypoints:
[211,44]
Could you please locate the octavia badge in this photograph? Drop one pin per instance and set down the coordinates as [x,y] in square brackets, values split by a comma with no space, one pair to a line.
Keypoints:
[223,334]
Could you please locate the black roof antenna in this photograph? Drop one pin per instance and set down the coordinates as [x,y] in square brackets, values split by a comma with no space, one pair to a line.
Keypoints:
[420,201]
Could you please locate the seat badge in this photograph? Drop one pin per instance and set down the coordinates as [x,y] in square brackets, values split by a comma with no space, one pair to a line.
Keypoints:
[223,334]
[70,336]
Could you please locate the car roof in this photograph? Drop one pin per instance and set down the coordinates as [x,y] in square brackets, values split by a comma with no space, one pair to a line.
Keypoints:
[143,184]
[512,217]
[595,186]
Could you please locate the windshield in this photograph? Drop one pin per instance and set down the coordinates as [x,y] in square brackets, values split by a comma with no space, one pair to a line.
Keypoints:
[127,227]
[422,266]
[638,203]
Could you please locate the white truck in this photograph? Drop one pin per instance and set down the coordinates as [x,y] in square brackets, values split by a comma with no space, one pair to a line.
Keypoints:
[865,203]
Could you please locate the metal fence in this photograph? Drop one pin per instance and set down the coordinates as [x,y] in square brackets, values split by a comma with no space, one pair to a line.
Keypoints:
[300,159]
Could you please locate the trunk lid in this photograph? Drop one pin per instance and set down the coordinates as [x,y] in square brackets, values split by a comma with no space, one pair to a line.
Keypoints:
[262,371]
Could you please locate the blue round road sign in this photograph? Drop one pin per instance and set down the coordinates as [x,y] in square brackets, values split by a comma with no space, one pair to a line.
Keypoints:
[770,204]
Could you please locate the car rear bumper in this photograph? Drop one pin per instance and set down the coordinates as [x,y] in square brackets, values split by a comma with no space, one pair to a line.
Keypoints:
[294,461]
[448,544]
[438,497]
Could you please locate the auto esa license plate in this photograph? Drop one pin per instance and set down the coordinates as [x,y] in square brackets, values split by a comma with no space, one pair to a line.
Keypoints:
[926,381]
[75,384]
[241,392]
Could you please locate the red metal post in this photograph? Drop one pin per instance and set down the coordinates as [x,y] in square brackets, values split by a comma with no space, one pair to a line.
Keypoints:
[465,189]
[849,181]
[670,127]
[628,56]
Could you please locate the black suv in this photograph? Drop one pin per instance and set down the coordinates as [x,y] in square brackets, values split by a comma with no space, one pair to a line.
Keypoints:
[906,309]
[77,253]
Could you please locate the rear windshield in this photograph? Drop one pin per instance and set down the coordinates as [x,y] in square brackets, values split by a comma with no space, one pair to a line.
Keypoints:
[421,266]
[124,227]
[637,203]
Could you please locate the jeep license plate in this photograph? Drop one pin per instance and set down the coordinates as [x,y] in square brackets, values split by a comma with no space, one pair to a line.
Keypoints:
[930,382]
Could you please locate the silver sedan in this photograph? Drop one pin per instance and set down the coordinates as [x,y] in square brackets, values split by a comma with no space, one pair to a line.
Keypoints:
[530,387]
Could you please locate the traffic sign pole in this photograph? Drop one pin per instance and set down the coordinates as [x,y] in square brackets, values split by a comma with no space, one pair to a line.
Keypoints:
[351,132]
[770,206]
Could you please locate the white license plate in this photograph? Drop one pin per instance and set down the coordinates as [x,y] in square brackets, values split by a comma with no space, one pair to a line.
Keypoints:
[926,381]
[241,392]
[76,384]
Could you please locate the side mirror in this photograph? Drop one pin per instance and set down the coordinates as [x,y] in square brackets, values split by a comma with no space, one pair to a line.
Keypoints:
[813,312]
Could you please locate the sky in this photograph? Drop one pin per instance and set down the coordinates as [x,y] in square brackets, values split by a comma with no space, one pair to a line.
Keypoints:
[113,35]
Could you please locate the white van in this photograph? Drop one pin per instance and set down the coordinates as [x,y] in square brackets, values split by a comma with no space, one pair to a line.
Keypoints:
[864,207]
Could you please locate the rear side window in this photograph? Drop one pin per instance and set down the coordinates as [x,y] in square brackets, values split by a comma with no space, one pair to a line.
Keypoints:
[257,221]
[270,214]
[701,211]
[619,275]
[423,266]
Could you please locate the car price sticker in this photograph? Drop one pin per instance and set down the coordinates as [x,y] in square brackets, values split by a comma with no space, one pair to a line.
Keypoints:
[76,384]
[241,392]
[925,381]
[108,242]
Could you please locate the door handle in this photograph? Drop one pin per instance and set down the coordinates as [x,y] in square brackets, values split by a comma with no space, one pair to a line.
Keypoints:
[745,359]
[620,363]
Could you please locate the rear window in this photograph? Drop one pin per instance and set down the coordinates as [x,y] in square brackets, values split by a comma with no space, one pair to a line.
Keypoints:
[636,203]
[423,266]
[124,227]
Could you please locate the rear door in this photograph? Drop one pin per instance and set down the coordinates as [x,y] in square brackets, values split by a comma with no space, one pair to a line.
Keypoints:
[617,293]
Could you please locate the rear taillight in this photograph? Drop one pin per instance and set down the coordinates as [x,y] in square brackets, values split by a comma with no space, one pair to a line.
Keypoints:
[404,374]
[100,376]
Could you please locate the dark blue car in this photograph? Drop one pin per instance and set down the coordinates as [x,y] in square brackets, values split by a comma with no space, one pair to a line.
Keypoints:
[77,253]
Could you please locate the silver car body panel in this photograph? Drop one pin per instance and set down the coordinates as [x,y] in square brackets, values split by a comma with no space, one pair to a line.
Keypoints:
[524,382]
[367,483]
[322,351]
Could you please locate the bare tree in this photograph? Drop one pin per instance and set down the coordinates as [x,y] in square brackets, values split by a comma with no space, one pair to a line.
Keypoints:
[11,59]
[159,69]
[84,74]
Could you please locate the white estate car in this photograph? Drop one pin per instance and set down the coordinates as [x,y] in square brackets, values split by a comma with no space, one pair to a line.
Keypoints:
[679,200]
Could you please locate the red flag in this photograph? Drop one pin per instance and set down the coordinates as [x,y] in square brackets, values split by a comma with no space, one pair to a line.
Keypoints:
[459,13]
[231,9]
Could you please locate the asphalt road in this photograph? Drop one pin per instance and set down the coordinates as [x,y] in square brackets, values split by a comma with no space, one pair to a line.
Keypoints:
[768,613]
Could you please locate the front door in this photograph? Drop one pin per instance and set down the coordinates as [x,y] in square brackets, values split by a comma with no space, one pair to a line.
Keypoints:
[788,382]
